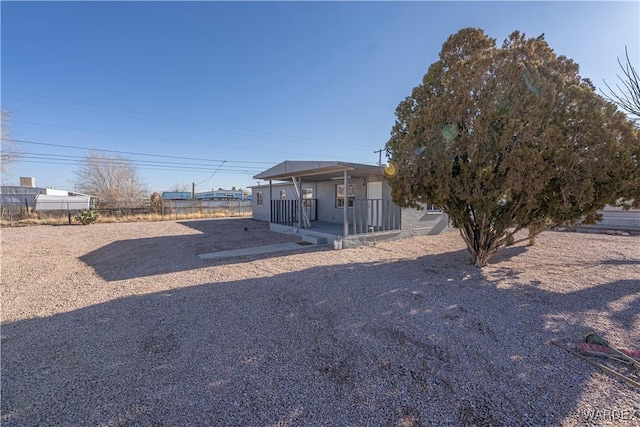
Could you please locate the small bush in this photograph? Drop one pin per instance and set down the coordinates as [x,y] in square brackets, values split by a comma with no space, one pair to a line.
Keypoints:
[87,216]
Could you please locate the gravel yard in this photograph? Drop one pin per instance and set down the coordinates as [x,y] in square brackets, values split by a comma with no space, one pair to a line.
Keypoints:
[122,324]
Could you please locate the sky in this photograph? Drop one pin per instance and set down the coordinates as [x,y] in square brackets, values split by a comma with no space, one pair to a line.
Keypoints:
[212,93]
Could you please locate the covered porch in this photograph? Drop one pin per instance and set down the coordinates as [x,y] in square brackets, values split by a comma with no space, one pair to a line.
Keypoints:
[341,199]
[363,216]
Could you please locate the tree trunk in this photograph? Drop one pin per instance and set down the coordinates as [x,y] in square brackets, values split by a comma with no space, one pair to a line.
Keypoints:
[481,257]
[532,239]
[481,247]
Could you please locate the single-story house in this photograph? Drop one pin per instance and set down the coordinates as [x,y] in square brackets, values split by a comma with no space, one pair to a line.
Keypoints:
[309,198]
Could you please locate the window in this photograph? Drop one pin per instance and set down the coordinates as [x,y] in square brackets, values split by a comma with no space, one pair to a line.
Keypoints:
[283,194]
[340,195]
[433,209]
[307,197]
[259,198]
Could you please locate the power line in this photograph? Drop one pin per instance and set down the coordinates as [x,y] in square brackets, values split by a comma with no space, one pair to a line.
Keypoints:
[125,152]
[69,162]
[117,133]
[192,165]
[267,135]
[211,176]
[216,145]
[145,154]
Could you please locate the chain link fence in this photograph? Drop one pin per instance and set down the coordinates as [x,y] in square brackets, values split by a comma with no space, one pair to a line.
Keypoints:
[221,208]
[18,207]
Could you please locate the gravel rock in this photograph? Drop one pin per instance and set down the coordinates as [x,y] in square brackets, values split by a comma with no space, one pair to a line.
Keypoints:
[122,324]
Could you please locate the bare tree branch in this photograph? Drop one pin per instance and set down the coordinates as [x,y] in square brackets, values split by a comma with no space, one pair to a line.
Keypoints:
[9,153]
[628,96]
[111,178]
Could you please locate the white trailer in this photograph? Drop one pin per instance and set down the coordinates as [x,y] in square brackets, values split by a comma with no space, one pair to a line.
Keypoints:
[48,203]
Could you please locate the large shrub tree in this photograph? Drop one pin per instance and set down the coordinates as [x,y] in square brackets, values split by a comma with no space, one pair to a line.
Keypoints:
[511,137]
[111,178]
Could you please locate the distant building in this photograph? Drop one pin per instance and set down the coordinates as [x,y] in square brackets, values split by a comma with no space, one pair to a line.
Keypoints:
[220,195]
[16,195]
[27,197]
[176,195]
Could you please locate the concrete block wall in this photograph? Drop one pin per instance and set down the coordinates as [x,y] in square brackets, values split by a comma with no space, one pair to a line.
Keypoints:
[422,222]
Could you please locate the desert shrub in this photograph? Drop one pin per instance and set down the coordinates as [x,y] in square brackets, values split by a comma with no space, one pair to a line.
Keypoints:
[87,216]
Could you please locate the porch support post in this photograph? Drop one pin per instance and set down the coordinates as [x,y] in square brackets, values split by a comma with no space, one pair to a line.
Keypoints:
[300,222]
[270,204]
[345,204]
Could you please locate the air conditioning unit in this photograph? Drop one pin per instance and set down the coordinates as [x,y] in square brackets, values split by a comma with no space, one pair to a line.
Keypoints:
[27,181]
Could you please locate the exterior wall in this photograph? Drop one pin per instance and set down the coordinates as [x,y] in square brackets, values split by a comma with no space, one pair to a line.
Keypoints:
[20,196]
[260,212]
[422,222]
[386,189]
[263,213]
[327,209]
[617,218]
[289,190]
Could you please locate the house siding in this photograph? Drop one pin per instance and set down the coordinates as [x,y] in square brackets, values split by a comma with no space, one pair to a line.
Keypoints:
[615,217]
[391,221]
[419,222]
[327,209]
[263,213]
[260,212]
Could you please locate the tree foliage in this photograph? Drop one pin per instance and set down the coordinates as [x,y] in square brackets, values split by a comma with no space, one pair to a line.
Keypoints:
[155,203]
[510,137]
[181,188]
[111,178]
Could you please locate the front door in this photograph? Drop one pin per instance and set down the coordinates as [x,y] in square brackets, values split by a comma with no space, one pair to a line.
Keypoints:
[374,204]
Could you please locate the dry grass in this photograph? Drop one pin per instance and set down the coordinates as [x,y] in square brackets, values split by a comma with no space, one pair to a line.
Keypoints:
[34,219]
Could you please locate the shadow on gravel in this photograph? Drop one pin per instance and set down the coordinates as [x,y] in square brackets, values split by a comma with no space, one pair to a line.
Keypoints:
[142,257]
[322,346]
[127,259]
[620,262]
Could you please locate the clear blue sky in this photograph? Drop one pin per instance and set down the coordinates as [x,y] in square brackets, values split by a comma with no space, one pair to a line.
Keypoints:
[251,83]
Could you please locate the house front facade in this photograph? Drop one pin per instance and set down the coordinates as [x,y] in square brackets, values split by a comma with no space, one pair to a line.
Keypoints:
[338,198]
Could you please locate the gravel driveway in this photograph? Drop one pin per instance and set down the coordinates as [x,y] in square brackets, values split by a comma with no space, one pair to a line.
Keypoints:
[122,324]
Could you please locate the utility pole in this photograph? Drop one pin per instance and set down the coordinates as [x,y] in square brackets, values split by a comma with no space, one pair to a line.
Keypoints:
[379,156]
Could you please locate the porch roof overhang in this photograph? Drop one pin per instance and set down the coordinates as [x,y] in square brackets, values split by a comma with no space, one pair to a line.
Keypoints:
[312,171]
